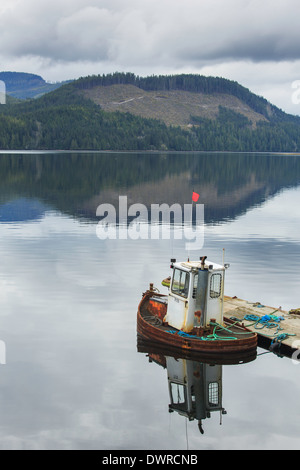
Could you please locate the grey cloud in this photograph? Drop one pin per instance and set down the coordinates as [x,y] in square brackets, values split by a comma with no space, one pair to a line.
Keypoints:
[258,49]
[135,32]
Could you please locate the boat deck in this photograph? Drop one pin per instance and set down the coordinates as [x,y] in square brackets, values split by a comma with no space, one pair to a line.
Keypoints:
[234,331]
[282,330]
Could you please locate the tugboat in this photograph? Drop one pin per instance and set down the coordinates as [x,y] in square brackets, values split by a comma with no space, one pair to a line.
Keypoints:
[190,317]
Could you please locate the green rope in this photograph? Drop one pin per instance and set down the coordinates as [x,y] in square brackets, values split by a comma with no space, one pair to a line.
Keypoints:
[227,329]
[215,337]
[212,337]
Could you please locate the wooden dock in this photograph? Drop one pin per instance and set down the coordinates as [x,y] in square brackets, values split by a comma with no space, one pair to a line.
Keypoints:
[280,332]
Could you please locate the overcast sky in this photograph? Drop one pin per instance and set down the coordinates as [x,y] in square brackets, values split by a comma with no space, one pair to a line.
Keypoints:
[255,42]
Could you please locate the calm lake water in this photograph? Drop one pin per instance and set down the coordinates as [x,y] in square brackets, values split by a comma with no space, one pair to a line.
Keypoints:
[73,377]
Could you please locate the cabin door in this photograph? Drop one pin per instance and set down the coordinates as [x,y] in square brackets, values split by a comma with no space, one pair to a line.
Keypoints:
[215,297]
[178,299]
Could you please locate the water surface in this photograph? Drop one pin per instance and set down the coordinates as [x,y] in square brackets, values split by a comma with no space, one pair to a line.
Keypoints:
[73,378]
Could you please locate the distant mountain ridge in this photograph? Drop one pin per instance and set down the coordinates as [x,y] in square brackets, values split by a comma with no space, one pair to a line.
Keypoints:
[23,85]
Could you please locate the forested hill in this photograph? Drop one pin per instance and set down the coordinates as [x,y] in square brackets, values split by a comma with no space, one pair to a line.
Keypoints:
[198,85]
[124,112]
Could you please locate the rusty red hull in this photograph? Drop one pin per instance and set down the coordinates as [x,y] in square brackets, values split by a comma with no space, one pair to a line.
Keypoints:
[151,327]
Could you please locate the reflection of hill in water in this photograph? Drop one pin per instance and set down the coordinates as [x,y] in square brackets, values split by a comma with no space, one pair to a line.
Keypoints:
[76,184]
[178,189]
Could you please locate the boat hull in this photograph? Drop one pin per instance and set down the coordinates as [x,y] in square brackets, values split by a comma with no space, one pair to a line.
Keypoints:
[150,326]
[148,347]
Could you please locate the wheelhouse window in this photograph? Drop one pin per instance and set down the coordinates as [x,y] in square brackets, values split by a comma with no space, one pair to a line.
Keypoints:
[180,283]
[195,286]
[215,286]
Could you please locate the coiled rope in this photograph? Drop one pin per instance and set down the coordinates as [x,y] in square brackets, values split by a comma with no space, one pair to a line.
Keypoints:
[268,321]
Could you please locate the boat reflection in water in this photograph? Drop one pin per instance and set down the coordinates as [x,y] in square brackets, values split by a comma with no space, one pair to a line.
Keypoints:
[194,382]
